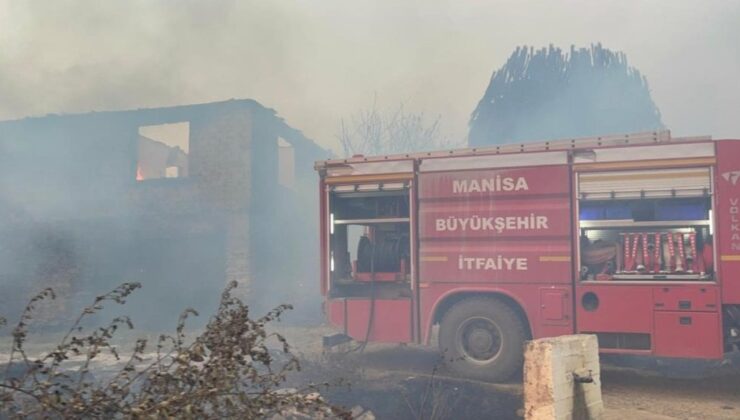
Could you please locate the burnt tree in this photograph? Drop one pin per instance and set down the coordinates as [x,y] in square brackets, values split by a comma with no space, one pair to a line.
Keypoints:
[549,93]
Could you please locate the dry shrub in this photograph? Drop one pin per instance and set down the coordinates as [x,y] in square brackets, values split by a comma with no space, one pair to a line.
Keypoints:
[229,370]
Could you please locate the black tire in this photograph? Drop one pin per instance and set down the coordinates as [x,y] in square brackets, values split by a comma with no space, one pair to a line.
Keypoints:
[483,338]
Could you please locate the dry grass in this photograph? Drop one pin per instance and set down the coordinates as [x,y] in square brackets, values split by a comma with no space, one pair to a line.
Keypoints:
[233,368]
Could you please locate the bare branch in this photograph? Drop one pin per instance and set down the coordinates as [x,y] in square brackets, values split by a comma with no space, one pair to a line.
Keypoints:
[372,131]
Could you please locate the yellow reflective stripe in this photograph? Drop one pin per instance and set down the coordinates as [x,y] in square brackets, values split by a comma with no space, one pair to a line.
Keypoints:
[342,179]
[554,258]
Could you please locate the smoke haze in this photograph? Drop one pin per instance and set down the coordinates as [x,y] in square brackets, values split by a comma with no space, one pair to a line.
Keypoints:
[316,61]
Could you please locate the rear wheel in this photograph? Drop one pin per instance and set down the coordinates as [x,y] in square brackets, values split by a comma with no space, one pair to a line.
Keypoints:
[482,338]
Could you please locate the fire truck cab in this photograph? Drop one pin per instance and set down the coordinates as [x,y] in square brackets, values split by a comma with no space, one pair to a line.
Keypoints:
[634,238]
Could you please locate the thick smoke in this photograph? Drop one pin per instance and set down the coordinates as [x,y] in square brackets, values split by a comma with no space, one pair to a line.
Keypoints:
[318,61]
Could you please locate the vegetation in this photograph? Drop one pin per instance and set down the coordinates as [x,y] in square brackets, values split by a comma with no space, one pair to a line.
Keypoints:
[231,369]
[373,131]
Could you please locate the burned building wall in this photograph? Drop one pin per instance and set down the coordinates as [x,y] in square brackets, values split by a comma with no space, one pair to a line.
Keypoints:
[285,254]
[75,216]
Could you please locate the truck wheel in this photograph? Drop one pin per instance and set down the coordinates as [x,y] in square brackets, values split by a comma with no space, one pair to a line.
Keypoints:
[482,338]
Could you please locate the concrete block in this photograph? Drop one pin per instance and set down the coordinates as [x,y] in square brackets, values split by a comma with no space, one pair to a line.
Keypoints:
[551,390]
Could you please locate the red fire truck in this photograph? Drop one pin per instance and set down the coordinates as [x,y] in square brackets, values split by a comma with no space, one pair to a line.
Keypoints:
[633,238]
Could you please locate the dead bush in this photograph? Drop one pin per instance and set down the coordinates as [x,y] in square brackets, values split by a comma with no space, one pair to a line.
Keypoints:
[231,369]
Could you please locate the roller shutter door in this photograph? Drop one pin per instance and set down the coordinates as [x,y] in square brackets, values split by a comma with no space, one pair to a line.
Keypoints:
[663,183]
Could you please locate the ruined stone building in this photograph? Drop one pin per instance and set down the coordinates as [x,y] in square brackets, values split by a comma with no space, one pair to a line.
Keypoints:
[181,199]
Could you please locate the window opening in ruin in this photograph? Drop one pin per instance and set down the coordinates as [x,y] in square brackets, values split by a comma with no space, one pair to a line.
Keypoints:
[286,163]
[163,151]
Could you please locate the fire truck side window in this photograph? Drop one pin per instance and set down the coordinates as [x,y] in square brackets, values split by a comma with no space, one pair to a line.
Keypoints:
[370,243]
[651,225]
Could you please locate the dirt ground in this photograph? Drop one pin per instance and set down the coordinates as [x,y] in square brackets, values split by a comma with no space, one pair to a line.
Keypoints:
[410,382]
[406,373]
[650,395]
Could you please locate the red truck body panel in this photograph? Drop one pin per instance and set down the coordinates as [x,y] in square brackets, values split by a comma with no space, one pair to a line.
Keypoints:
[702,338]
[534,299]
[391,319]
[492,236]
[480,226]
[479,235]
[727,178]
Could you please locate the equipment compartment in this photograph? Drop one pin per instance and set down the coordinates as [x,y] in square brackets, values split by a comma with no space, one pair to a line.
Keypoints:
[688,334]
[369,238]
[646,225]
[681,298]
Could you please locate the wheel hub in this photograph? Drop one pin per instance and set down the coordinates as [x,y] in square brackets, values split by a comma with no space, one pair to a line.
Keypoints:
[480,339]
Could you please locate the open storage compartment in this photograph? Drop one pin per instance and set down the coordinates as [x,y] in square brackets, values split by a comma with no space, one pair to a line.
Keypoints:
[646,225]
[369,231]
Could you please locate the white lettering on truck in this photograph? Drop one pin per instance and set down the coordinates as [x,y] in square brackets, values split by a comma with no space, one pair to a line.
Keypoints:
[735,224]
[498,262]
[498,224]
[497,183]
